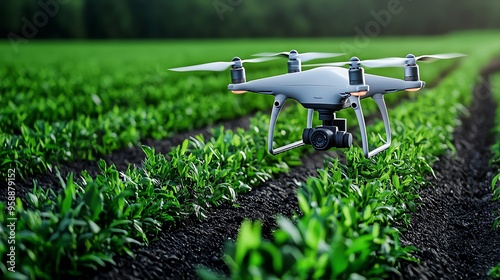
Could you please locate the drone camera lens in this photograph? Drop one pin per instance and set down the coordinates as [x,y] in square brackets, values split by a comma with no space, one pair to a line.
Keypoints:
[319,140]
[322,138]
[326,137]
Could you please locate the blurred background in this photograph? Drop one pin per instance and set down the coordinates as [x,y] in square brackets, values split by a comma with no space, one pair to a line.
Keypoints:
[130,19]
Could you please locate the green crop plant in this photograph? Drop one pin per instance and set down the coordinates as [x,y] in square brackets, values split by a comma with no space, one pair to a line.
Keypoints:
[494,273]
[63,232]
[192,177]
[334,238]
[496,147]
[90,105]
[197,174]
[141,200]
[375,193]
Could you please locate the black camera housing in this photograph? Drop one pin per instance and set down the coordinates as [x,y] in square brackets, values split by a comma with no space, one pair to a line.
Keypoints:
[325,137]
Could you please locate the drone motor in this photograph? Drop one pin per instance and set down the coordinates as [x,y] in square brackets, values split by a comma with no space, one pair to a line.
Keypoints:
[411,69]
[237,72]
[356,72]
[294,62]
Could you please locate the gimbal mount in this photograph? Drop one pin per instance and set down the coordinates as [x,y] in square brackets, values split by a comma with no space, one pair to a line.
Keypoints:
[333,132]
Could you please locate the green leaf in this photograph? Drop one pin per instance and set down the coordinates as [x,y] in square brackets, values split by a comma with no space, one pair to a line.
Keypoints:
[92,259]
[395,181]
[94,227]
[495,180]
[367,212]
[347,216]
[184,147]
[340,261]
[248,239]
[16,276]
[292,231]
[93,200]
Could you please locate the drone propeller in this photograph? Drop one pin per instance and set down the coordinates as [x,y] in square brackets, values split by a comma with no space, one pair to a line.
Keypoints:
[409,59]
[293,54]
[220,66]
[393,61]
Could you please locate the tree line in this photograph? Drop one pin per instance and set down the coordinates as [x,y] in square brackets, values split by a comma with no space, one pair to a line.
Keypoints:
[98,19]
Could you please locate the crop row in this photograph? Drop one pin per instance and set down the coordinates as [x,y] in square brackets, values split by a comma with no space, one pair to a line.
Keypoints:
[348,227]
[495,184]
[80,108]
[90,221]
[165,190]
[126,208]
[37,134]
[98,218]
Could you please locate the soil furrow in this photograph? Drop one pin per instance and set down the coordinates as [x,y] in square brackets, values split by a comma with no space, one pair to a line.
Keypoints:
[134,155]
[452,227]
[121,158]
[177,253]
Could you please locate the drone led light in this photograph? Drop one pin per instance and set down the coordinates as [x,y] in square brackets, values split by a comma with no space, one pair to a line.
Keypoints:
[413,89]
[359,93]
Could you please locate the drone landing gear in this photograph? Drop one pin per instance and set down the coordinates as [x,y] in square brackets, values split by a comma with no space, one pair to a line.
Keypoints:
[279,101]
[331,134]
[356,105]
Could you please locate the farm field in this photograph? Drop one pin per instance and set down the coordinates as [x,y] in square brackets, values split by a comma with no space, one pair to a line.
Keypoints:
[89,196]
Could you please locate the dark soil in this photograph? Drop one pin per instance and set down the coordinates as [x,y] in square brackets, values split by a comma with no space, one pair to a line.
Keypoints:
[177,252]
[453,224]
[121,158]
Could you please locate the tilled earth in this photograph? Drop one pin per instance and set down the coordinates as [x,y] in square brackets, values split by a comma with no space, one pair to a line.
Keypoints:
[452,226]
[177,252]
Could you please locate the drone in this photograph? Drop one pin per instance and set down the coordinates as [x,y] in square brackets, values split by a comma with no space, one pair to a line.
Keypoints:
[326,89]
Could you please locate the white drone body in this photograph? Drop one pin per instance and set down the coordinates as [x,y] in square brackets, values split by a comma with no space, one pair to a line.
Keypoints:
[326,90]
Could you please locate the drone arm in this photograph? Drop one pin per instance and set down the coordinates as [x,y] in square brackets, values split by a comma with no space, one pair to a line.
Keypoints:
[279,101]
[379,100]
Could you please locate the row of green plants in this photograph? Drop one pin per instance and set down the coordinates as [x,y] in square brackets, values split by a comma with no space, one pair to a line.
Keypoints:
[87,101]
[349,226]
[495,149]
[35,138]
[106,215]
[88,222]
[142,199]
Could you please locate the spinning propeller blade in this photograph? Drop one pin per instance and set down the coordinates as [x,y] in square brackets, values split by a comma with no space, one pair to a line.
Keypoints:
[392,61]
[432,57]
[302,56]
[334,64]
[218,66]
